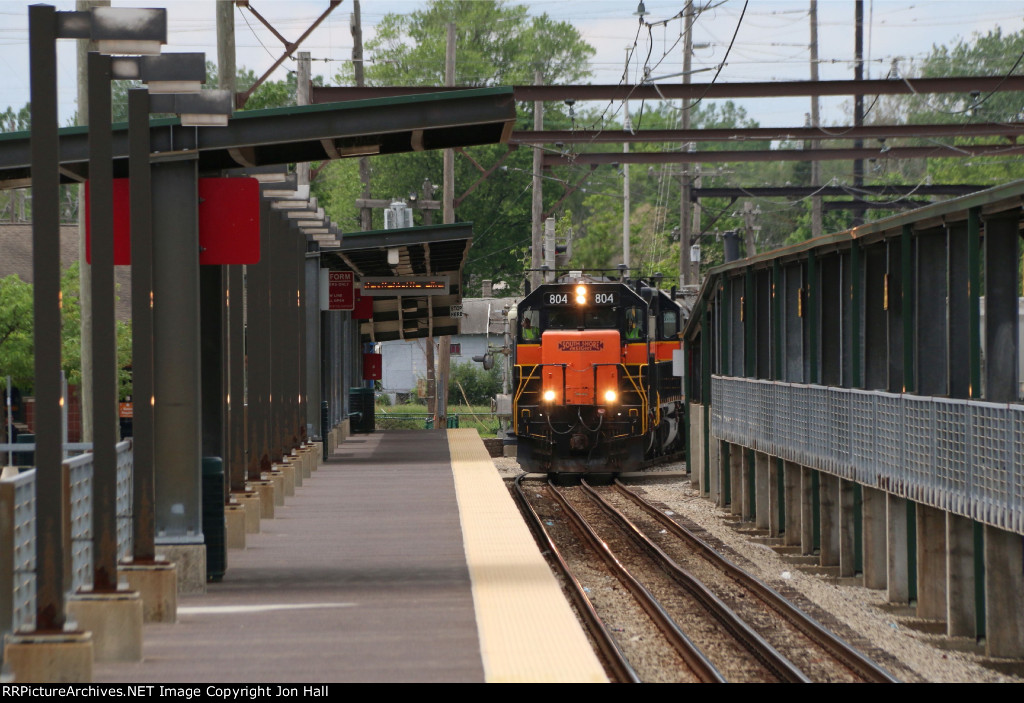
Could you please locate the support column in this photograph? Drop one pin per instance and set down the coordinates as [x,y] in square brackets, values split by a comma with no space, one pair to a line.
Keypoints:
[806,510]
[775,510]
[714,488]
[875,535]
[931,562]
[961,608]
[846,528]
[1004,593]
[178,414]
[762,487]
[749,493]
[696,446]
[723,469]
[829,500]
[897,578]
[736,479]
[792,496]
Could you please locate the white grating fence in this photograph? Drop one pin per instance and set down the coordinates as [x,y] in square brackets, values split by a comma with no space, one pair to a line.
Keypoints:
[963,456]
[19,534]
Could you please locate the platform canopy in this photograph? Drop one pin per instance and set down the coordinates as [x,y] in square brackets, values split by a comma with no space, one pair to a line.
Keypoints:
[256,138]
[407,266]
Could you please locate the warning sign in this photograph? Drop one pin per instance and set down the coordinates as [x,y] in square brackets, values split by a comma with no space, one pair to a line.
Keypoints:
[337,290]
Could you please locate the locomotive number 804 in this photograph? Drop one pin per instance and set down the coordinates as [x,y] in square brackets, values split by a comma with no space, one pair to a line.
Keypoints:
[593,383]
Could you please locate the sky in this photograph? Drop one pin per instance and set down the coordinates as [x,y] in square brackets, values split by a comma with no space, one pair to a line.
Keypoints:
[771,42]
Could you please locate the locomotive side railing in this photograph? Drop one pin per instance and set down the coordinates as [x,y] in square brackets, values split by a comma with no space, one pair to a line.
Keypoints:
[962,456]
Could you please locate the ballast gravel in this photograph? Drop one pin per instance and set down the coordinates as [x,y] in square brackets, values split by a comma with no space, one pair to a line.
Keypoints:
[908,648]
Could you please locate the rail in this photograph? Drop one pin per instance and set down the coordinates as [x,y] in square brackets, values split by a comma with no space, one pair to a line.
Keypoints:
[962,456]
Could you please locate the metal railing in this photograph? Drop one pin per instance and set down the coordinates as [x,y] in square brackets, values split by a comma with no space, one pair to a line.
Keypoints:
[962,456]
[17,533]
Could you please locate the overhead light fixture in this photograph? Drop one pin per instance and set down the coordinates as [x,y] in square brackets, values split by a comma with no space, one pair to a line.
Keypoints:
[640,10]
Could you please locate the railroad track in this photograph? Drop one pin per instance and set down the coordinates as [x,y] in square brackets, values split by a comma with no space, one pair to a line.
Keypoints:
[736,628]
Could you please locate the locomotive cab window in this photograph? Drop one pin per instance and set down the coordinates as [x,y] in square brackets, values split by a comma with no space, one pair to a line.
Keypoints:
[669,324]
[634,323]
[529,325]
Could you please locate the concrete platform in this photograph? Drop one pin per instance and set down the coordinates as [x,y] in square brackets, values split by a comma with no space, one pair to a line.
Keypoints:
[387,565]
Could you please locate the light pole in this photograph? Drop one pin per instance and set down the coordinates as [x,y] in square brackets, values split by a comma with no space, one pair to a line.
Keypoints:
[145,30]
[49,653]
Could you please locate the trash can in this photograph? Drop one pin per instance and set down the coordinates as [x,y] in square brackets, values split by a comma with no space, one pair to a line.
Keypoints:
[361,403]
[24,458]
[214,521]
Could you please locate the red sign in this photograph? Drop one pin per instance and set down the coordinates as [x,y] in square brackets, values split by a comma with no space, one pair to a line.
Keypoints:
[364,308]
[341,290]
[372,367]
[229,221]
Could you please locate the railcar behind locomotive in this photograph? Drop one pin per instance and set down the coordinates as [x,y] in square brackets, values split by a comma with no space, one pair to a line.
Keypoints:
[593,383]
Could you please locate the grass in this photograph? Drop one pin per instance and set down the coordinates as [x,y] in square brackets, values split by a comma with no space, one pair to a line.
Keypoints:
[413,417]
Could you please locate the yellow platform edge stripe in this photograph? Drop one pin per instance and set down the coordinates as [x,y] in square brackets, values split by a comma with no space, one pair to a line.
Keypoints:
[527,630]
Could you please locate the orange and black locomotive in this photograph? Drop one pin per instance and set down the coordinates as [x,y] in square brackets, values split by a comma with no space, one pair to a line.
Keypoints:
[594,388]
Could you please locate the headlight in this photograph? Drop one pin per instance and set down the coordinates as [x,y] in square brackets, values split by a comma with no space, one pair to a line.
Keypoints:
[610,396]
[581,299]
[581,290]
[549,396]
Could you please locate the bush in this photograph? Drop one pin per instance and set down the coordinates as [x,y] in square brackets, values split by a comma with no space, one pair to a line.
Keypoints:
[480,385]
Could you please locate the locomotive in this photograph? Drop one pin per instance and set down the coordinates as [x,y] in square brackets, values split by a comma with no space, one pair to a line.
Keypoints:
[593,385]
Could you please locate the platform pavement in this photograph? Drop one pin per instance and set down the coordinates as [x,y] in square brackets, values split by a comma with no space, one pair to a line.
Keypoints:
[362,576]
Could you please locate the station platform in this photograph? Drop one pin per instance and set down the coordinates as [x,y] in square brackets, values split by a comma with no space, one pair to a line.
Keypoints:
[402,559]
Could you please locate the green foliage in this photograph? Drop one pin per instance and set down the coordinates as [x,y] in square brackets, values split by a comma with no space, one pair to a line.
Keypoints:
[498,44]
[16,358]
[16,334]
[480,386]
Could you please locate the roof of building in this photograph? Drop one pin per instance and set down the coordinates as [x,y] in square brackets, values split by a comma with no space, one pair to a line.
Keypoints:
[16,258]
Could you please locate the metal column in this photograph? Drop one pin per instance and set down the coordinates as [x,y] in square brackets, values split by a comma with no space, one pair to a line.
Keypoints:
[178,429]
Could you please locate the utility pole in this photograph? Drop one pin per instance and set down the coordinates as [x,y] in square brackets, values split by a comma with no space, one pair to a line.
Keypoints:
[686,268]
[858,108]
[816,219]
[448,204]
[303,76]
[626,125]
[750,229]
[537,210]
[365,213]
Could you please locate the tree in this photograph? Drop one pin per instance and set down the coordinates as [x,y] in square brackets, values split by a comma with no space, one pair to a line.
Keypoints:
[16,358]
[497,44]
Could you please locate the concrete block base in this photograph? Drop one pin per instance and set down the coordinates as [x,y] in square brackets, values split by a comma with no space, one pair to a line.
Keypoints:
[318,454]
[509,450]
[157,583]
[295,461]
[265,490]
[234,515]
[250,502]
[276,478]
[60,658]
[115,621]
[345,430]
[191,562]
[291,478]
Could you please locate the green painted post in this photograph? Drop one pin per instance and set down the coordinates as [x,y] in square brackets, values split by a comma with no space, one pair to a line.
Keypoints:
[812,317]
[974,298]
[907,295]
[856,294]
[777,318]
